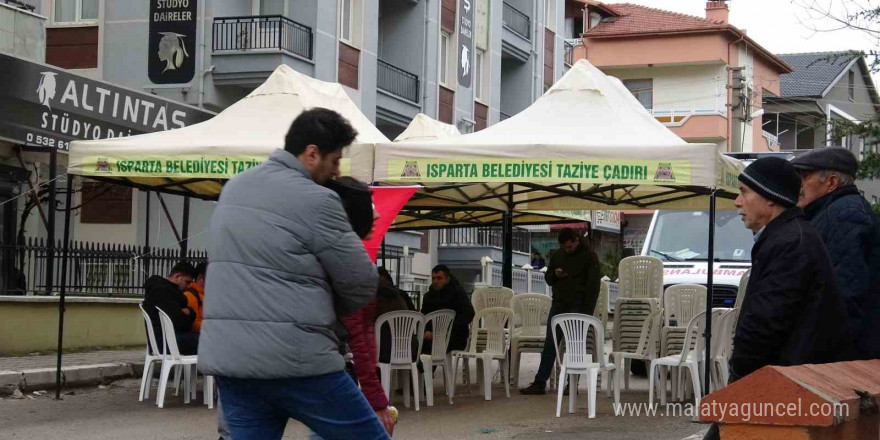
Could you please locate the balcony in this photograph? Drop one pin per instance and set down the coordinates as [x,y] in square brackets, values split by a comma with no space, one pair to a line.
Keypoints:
[694,124]
[484,237]
[516,21]
[398,82]
[571,46]
[245,50]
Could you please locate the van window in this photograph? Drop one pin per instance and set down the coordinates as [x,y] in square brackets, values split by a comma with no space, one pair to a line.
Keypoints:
[684,236]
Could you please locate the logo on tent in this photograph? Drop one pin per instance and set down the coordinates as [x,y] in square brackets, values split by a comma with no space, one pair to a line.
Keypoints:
[664,173]
[411,170]
[103,165]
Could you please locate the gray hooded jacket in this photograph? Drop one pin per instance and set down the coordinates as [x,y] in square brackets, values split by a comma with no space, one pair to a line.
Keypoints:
[284,263]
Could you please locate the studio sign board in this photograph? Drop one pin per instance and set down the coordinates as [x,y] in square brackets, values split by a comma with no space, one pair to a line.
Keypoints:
[465,42]
[45,106]
[172,41]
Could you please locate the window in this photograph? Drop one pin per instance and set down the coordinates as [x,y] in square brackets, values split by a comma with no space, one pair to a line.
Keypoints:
[444,58]
[105,203]
[643,90]
[345,20]
[478,75]
[851,87]
[271,7]
[72,11]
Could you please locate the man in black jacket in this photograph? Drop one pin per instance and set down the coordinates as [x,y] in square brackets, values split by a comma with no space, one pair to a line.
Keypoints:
[851,231]
[574,274]
[793,313]
[446,293]
[166,294]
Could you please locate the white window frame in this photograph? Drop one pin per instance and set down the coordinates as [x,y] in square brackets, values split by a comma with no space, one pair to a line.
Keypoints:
[634,95]
[78,14]
[346,26]
[550,15]
[443,71]
[851,85]
[479,78]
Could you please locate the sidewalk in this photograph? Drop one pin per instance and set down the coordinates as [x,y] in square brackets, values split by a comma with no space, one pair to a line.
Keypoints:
[38,372]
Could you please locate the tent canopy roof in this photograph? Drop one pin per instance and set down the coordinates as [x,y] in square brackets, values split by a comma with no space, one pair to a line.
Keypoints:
[586,144]
[202,156]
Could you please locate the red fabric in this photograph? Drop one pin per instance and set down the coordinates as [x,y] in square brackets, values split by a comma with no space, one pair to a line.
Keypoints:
[388,202]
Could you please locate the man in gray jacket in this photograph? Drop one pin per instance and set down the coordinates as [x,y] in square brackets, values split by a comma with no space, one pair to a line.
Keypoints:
[284,264]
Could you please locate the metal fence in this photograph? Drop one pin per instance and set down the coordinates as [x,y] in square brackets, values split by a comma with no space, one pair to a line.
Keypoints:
[93,269]
[484,236]
[516,21]
[262,32]
[398,82]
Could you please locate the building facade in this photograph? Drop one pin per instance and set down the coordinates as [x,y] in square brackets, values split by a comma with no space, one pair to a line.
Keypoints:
[470,63]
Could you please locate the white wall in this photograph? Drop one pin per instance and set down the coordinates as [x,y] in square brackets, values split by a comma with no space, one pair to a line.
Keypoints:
[682,87]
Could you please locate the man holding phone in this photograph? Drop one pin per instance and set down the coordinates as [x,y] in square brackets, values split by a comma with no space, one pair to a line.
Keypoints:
[574,274]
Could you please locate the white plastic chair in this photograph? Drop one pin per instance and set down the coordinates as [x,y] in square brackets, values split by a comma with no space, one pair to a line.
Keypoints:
[404,325]
[530,312]
[681,302]
[577,361]
[641,277]
[741,293]
[172,358]
[149,359]
[441,329]
[689,358]
[645,346]
[722,349]
[601,310]
[494,322]
[485,297]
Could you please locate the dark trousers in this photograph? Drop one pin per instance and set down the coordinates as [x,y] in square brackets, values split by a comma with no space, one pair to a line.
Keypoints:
[548,355]
[187,343]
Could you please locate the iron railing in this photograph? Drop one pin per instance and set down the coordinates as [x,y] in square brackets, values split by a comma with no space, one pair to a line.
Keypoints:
[569,53]
[263,32]
[397,81]
[93,269]
[484,236]
[516,21]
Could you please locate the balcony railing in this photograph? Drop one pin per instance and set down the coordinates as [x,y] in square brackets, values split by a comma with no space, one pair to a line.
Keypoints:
[484,237]
[678,116]
[570,45]
[516,21]
[398,82]
[263,32]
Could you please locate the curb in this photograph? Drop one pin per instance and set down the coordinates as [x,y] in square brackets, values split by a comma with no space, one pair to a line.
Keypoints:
[44,378]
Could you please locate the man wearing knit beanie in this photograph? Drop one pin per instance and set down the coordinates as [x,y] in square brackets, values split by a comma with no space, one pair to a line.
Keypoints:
[793,312]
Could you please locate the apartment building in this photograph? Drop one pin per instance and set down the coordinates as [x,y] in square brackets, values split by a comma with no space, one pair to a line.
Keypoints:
[702,77]
[470,63]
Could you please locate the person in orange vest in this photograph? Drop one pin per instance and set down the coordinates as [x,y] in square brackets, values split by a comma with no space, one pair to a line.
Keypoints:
[195,296]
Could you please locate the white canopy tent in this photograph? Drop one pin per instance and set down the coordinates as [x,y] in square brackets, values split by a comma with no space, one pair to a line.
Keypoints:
[425,128]
[586,144]
[195,160]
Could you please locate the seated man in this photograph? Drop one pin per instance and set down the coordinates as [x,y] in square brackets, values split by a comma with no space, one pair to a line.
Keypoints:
[166,294]
[195,296]
[447,293]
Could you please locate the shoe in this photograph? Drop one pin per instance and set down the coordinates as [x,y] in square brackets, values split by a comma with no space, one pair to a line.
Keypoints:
[534,389]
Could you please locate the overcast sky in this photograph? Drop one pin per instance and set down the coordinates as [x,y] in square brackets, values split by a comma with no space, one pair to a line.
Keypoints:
[784,26]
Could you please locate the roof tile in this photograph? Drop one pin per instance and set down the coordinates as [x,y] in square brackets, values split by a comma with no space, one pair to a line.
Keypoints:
[813,72]
[637,19]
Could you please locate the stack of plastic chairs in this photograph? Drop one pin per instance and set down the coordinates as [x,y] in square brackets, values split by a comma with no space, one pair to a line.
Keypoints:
[530,312]
[681,303]
[637,312]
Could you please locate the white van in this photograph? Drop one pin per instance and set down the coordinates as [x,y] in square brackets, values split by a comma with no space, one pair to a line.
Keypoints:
[681,240]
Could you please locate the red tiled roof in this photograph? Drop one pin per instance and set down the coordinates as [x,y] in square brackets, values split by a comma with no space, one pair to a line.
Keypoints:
[636,19]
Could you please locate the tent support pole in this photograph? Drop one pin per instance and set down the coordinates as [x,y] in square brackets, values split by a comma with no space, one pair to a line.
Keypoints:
[184,242]
[168,216]
[147,234]
[710,293]
[63,287]
[50,250]
[507,234]
[383,252]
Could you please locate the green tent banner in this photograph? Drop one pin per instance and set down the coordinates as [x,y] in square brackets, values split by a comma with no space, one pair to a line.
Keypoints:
[191,167]
[669,172]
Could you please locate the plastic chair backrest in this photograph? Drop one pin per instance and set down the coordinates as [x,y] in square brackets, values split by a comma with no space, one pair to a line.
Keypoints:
[151,336]
[743,284]
[530,311]
[601,310]
[693,338]
[728,332]
[575,329]
[485,297]
[441,328]
[720,317]
[403,324]
[169,341]
[641,277]
[494,321]
[684,301]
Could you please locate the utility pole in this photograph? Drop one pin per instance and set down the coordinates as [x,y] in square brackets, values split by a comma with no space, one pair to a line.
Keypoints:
[738,110]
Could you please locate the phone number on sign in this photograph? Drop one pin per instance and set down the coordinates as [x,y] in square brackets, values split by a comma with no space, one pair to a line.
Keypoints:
[47,141]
